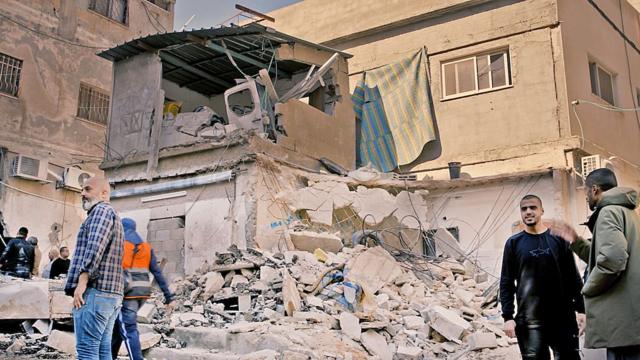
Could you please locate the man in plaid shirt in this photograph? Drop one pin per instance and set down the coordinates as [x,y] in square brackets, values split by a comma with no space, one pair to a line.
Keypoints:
[95,278]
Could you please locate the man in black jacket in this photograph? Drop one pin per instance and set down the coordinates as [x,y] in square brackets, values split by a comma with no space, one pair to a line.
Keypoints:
[18,257]
[540,270]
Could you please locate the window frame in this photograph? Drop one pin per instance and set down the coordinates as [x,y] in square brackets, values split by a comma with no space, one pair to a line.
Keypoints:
[506,56]
[17,74]
[612,76]
[126,14]
[99,91]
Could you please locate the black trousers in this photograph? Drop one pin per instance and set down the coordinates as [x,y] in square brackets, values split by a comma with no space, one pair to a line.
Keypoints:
[536,340]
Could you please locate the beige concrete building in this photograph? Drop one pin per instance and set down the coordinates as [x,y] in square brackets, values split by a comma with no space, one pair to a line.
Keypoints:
[517,87]
[54,104]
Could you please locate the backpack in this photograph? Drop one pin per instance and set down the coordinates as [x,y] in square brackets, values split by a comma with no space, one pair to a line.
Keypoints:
[137,277]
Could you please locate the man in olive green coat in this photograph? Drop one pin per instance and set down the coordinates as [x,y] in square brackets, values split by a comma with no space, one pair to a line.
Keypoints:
[612,289]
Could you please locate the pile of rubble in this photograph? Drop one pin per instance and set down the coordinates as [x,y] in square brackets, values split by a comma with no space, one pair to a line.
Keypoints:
[358,303]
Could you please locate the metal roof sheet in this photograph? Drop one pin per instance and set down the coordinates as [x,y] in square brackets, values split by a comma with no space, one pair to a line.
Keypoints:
[196,59]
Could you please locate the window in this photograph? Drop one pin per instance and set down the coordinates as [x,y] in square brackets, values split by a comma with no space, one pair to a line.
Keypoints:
[10,68]
[601,82]
[476,74]
[93,104]
[113,9]
[164,4]
[429,241]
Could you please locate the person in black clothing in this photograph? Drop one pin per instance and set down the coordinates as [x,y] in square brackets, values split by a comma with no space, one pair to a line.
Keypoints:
[540,270]
[18,257]
[60,265]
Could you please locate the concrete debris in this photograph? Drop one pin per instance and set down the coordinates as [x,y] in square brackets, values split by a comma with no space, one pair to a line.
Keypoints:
[310,241]
[357,303]
[62,341]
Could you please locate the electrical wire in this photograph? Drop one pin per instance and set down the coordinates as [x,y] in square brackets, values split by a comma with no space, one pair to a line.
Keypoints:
[603,106]
[49,35]
[36,195]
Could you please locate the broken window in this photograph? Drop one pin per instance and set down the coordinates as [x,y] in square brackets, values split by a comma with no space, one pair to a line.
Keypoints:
[93,104]
[113,9]
[241,103]
[601,82]
[476,74]
[429,241]
[164,4]
[10,69]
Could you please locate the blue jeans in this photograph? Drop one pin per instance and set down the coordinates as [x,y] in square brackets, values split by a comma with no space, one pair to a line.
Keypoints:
[93,324]
[126,329]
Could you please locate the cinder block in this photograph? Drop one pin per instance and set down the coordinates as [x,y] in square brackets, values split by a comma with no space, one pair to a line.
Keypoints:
[480,340]
[166,224]
[177,234]
[167,211]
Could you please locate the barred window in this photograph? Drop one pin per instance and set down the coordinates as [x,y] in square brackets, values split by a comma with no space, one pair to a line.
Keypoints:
[113,9]
[10,68]
[93,104]
[164,4]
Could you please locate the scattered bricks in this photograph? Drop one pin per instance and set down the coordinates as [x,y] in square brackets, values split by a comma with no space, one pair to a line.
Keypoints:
[146,313]
[376,345]
[350,325]
[244,303]
[408,353]
[413,322]
[62,341]
[480,340]
[448,323]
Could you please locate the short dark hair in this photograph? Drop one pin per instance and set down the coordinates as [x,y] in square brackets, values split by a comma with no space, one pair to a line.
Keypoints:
[603,178]
[62,248]
[23,231]
[531,196]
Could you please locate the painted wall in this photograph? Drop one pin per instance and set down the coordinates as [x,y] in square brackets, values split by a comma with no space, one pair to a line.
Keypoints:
[485,215]
[57,41]
[486,132]
[587,37]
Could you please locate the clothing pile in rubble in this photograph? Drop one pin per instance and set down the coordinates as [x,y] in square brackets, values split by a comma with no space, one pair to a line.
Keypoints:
[359,303]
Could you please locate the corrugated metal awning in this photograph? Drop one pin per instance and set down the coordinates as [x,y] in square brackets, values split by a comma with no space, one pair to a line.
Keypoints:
[197,59]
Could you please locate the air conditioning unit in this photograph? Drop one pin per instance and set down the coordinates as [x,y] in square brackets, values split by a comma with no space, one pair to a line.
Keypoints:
[29,168]
[73,178]
[593,162]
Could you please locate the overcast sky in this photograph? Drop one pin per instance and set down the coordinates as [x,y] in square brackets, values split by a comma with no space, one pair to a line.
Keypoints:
[210,13]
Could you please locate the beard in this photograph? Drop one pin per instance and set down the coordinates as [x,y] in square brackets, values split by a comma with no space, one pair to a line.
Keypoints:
[87,203]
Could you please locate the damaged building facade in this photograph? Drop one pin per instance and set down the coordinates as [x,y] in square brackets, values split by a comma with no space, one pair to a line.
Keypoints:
[193,115]
[54,99]
[527,97]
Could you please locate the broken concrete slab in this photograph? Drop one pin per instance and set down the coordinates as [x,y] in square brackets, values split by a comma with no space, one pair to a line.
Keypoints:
[373,269]
[62,341]
[447,244]
[146,313]
[191,316]
[448,324]
[269,274]
[149,340]
[309,241]
[481,340]
[290,294]
[376,345]
[350,325]
[408,353]
[213,283]
[24,299]
[413,322]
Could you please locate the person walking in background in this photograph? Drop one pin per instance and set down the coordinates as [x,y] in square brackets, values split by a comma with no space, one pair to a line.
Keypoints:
[139,260]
